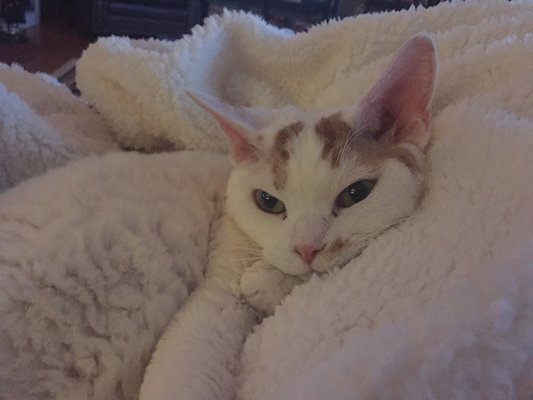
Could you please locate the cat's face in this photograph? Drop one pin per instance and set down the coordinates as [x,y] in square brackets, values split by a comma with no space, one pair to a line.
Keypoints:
[313,190]
[313,204]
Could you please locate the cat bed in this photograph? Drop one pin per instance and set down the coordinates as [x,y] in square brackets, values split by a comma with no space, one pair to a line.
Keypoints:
[96,256]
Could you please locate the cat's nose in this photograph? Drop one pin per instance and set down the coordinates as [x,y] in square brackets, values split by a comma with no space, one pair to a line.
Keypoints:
[308,251]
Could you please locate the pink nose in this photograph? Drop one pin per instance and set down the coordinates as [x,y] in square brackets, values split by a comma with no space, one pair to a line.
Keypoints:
[308,252]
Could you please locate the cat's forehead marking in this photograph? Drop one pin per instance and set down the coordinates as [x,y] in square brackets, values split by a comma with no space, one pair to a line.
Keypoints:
[280,154]
[334,133]
[340,140]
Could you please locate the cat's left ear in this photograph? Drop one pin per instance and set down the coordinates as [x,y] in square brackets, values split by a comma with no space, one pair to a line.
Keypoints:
[241,125]
[397,107]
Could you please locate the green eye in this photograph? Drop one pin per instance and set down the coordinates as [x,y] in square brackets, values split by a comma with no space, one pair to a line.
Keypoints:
[268,203]
[354,193]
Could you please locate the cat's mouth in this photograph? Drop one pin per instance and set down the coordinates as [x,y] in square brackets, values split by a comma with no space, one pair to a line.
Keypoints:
[317,270]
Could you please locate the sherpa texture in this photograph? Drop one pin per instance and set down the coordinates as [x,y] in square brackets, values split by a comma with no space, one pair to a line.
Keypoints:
[43,125]
[95,258]
[139,85]
[439,307]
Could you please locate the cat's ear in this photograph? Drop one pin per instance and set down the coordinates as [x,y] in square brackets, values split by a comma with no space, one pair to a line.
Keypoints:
[241,125]
[397,107]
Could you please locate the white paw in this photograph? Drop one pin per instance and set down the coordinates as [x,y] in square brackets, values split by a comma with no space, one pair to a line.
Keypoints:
[264,286]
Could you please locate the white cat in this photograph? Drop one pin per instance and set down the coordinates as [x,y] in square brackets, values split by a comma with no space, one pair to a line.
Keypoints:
[306,195]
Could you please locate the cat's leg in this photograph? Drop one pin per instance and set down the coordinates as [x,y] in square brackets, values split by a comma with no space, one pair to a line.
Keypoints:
[198,354]
[264,286]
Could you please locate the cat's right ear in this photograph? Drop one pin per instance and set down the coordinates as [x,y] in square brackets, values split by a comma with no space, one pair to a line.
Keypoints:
[240,125]
[397,107]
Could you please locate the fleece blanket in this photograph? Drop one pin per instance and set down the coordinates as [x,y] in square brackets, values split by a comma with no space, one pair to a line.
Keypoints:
[139,85]
[95,257]
[43,125]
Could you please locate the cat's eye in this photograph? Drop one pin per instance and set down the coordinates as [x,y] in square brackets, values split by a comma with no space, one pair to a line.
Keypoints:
[353,194]
[268,203]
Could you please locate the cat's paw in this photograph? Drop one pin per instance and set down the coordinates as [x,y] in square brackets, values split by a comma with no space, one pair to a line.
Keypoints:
[264,286]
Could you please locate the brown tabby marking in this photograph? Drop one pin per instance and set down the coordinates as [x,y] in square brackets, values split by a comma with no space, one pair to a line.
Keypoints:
[376,153]
[338,137]
[336,245]
[335,133]
[280,152]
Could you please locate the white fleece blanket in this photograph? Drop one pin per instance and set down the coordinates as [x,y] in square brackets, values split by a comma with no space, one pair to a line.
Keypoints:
[43,125]
[438,308]
[138,85]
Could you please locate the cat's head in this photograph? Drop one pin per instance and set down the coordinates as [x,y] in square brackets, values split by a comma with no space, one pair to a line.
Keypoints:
[313,190]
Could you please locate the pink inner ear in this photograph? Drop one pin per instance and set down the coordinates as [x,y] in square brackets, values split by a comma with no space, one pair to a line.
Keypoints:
[398,104]
[237,124]
[240,149]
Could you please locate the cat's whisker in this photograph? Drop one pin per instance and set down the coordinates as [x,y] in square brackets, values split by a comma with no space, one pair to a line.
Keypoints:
[247,250]
[346,147]
[283,157]
[248,261]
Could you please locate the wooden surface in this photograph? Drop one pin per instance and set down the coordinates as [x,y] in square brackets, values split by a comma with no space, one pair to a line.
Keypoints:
[51,44]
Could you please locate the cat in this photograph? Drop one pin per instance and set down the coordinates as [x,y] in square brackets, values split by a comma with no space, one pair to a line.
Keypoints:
[307,194]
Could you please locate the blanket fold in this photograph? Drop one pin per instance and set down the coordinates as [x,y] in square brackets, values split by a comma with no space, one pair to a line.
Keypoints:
[138,85]
[43,125]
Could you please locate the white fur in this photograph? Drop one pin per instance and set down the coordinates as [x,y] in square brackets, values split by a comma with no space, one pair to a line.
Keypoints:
[311,217]
[312,186]
[198,332]
[94,261]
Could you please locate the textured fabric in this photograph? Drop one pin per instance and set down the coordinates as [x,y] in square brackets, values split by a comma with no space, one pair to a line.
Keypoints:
[43,125]
[95,258]
[139,85]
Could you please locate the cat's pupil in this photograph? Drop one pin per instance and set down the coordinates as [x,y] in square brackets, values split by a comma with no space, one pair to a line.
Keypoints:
[269,203]
[358,193]
[354,193]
